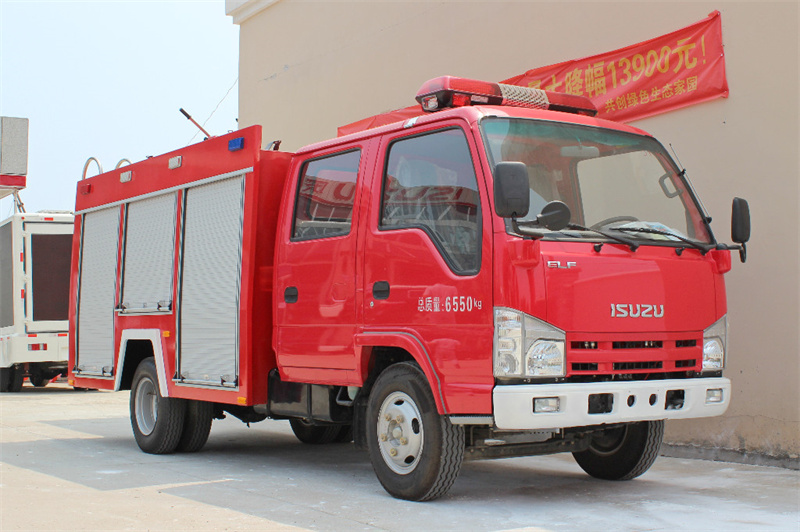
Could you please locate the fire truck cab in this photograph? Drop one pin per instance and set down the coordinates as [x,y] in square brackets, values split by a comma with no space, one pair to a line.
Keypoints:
[502,275]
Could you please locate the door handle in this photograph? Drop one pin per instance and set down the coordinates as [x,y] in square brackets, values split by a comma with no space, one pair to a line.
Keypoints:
[290,294]
[380,290]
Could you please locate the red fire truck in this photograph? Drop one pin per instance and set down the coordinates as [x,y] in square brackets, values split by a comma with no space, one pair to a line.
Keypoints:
[502,275]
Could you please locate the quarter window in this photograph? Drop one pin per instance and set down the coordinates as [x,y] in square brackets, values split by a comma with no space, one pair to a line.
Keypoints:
[324,204]
[430,184]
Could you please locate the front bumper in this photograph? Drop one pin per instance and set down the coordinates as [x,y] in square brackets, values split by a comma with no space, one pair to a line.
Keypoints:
[597,403]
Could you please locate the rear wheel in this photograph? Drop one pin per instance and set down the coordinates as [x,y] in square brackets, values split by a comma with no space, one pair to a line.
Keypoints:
[157,421]
[196,426]
[622,453]
[11,379]
[37,377]
[312,434]
[415,452]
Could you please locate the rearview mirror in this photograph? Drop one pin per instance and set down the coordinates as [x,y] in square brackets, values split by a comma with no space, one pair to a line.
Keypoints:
[554,216]
[511,189]
[740,221]
[740,225]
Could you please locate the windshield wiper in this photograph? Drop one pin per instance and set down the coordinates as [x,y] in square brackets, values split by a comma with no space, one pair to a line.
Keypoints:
[704,248]
[630,243]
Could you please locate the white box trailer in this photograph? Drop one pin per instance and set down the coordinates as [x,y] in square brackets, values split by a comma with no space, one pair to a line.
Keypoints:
[35,253]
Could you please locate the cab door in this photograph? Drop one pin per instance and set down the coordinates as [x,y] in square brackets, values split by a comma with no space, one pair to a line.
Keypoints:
[315,289]
[427,266]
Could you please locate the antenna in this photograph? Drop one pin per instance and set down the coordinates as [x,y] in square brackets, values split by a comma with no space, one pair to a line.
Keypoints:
[675,153]
[188,116]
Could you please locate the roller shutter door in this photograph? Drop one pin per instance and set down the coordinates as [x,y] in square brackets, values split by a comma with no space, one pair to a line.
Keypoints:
[98,291]
[149,255]
[209,292]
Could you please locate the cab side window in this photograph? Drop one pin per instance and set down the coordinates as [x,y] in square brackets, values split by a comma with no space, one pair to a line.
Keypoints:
[324,202]
[429,183]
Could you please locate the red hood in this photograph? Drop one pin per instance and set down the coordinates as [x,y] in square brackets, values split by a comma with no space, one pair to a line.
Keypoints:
[577,289]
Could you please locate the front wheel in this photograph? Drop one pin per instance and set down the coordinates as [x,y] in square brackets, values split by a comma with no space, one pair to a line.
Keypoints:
[415,452]
[622,453]
[157,421]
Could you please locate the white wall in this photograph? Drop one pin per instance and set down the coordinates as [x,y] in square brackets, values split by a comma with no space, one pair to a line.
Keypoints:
[308,67]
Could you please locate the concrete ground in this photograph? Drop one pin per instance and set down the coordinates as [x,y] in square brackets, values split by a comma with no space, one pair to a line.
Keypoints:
[68,461]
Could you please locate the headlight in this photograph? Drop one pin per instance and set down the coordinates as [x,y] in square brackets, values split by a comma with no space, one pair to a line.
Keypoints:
[526,347]
[715,339]
[545,358]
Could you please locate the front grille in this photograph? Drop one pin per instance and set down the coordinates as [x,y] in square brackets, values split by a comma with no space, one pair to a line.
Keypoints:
[632,357]
[647,344]
[626,366]
[583,345]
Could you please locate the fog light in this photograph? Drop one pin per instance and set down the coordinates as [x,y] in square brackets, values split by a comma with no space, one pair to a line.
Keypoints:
[714,395]
[544,405]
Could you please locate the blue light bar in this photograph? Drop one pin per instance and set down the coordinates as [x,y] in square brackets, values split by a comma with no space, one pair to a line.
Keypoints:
[236,144]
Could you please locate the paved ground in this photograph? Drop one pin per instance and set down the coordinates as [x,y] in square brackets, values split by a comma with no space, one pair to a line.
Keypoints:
[68,461]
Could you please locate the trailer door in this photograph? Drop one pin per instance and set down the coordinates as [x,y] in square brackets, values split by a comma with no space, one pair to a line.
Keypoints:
[48,249]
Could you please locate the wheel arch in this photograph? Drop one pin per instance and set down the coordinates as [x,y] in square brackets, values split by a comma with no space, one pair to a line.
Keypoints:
[380,350]
[135,346]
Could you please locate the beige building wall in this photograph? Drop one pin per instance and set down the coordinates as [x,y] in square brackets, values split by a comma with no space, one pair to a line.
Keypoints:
[308,67]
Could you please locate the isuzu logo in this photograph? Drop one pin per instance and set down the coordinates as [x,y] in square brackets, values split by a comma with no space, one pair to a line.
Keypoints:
[623,310]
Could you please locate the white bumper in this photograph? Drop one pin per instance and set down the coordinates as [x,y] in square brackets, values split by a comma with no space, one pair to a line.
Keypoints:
[630,401]
[14,349]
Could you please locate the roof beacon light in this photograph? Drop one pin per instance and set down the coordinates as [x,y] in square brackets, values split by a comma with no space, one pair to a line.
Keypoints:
[449,91]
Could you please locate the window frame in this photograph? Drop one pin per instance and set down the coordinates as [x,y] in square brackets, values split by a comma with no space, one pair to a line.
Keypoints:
[479,214]
[298,188]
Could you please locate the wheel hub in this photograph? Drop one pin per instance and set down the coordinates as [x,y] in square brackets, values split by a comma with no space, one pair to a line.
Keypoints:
[146,406]
[400,433]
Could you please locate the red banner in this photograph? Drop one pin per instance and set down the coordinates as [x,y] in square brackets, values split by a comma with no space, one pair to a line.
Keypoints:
[681,68]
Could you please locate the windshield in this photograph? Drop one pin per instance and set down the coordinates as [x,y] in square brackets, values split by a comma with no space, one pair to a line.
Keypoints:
[609,179]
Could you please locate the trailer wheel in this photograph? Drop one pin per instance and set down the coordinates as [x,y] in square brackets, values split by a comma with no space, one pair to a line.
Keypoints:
[36,376]
[6,374]
[415,452]
[11,379]
[196,426]
[312,434]
[157,421]
[622,453]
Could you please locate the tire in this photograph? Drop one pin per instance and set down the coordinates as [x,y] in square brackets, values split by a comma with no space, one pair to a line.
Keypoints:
[157,421]
[311,434]
[196,426]
[415,452]
[622,453]
[37,377]
[15,377]
[6,374]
